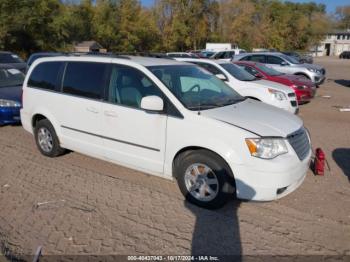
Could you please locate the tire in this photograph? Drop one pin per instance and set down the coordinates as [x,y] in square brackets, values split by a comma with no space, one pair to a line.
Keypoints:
[215,195]
[50,147]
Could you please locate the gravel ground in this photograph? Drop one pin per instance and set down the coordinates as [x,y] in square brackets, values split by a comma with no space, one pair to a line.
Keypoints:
[79,205]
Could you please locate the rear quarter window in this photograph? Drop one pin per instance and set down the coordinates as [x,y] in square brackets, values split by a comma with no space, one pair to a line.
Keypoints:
[45,75]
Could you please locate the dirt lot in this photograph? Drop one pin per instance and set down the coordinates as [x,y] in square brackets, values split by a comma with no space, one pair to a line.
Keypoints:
[79,205]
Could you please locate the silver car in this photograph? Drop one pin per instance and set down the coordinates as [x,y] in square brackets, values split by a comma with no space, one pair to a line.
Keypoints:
[286,64]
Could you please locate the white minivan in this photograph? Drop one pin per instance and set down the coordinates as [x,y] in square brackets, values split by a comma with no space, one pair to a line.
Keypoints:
[247,85]
[167,118]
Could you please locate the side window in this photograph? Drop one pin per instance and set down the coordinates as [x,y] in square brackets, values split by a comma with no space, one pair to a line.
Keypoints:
[85,79]
[212,69]
[258,58]
[45,75]
[246,58]
[274,60]
[229,54]
[128,86]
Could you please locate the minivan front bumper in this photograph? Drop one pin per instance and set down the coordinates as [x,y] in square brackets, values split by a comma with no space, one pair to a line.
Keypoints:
[269,182]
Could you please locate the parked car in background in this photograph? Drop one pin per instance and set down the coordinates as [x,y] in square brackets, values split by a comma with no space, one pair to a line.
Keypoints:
[345,55]
[286,64]
[249,86]
[11,80]
[35,56]
[304,89]
[227,55]
[13,60]
[173,119]
[207,53]
[302,58]
[181,54]
[198,53]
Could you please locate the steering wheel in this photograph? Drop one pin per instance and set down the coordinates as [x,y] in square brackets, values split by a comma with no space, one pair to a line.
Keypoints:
[193,87]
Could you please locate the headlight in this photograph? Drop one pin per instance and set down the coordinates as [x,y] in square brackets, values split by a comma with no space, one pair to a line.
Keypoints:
[314,70]
[9,103]
[299,87]
[278,94]
[266,148]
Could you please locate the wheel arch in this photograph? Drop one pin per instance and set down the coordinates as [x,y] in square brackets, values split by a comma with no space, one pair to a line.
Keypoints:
[42,114]
[302,74]
[189,149]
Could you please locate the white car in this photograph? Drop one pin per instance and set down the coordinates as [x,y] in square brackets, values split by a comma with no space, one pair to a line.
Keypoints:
[249,86]
[167,118]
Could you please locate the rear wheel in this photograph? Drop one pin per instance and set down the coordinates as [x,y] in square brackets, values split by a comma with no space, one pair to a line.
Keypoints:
[204,179]
[46,139]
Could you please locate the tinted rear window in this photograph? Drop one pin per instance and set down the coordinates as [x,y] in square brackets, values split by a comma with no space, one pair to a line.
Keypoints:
[85,79]
[45,75]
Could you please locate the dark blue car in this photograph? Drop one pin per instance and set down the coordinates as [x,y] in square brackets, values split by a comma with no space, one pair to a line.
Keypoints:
[11,80]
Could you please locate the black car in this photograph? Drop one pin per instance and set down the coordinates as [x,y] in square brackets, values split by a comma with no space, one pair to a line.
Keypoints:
[345,55]
[301,58]
[11,80]
[13,60]
[36,56]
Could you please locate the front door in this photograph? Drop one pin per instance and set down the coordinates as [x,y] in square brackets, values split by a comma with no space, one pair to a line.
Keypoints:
[133,137]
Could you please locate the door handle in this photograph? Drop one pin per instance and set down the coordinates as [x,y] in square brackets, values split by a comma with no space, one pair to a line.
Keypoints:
[92,110]
[111,114]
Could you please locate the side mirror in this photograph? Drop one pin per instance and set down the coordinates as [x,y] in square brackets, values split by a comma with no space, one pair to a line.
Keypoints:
[221,77]
[258,75]
[283,63]
[152,103]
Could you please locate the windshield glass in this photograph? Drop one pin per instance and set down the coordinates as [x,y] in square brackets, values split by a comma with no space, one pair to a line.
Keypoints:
[196,88]
[268,70]
[291,59]
[10,59]
[238,72]
[10,77]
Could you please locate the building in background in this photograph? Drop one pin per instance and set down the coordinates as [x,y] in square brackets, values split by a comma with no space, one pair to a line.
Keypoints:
[334,44]
[89,46]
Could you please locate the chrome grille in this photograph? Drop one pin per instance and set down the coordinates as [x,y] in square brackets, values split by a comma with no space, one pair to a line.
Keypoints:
[300,142]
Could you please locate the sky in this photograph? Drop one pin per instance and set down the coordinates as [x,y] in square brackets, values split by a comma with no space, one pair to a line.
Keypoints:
[330,4]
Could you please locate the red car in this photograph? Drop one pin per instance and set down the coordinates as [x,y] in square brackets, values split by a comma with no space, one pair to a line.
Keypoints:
[304,89]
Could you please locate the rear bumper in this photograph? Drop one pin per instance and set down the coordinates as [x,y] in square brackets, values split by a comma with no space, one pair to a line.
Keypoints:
[9,115]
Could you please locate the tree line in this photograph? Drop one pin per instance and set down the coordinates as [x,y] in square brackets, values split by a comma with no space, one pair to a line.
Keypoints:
[28,26]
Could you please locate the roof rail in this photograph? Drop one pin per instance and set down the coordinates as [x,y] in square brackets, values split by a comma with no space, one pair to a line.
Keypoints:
[97,54]
[122,55]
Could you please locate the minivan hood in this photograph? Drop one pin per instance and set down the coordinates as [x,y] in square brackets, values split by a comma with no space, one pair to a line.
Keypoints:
[257,117]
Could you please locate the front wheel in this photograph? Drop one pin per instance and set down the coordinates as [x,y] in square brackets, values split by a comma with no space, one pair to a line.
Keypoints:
[204,179]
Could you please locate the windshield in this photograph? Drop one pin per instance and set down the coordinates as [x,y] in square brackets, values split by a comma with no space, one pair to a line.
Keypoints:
[10,77]
[10,59]
[196,88]
[238,72]
[291,59]
[269,71]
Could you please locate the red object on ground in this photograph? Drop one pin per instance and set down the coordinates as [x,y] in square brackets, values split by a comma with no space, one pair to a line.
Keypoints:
[319,164]
[304,88]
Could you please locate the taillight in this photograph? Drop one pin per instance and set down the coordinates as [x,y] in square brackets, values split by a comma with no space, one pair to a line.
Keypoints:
[22,98]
